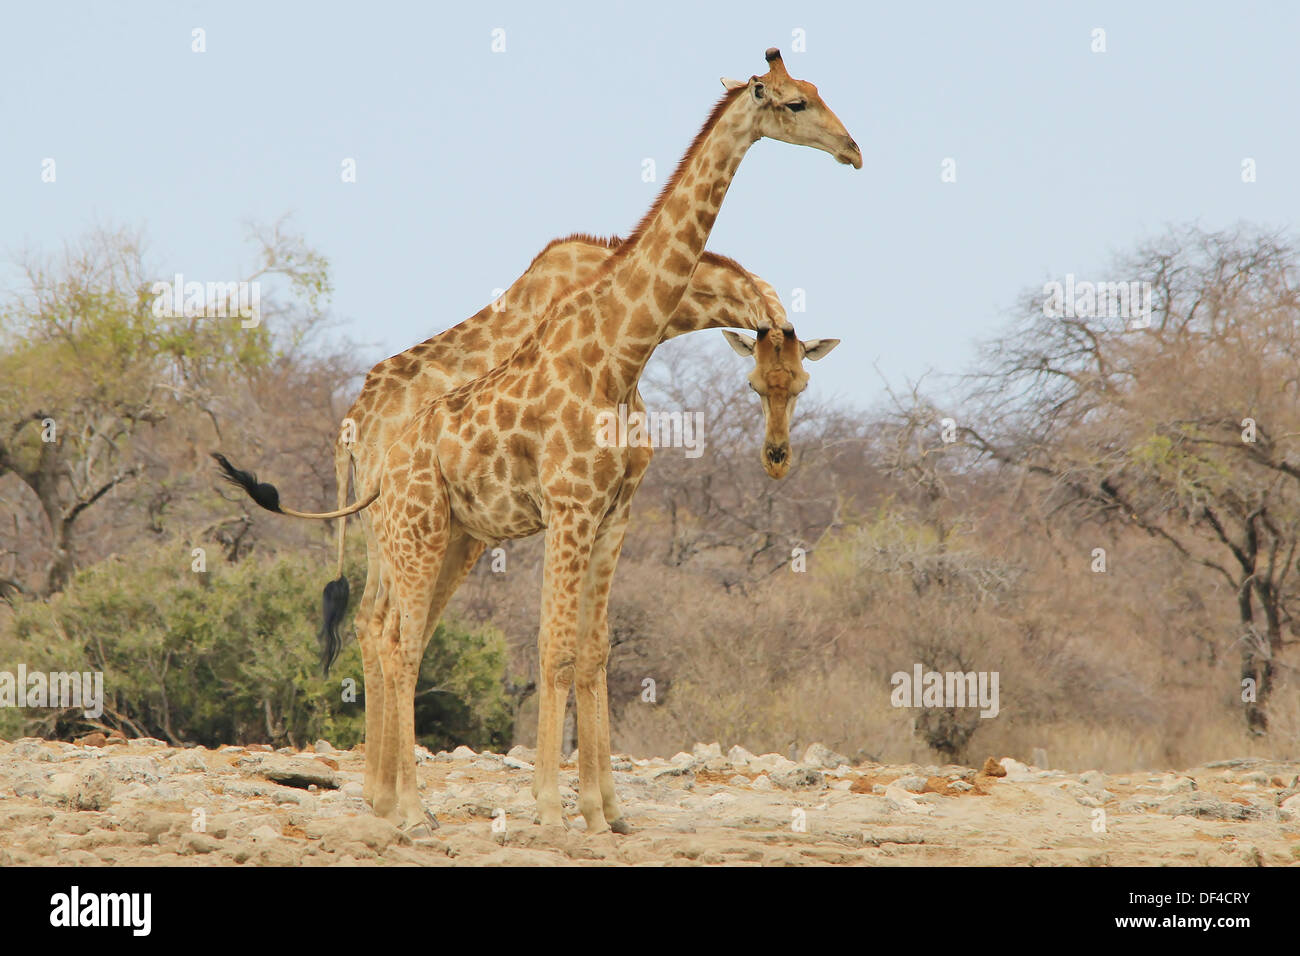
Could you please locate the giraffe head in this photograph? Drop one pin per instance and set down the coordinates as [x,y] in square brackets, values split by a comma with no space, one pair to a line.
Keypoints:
[791,110]
[778,378]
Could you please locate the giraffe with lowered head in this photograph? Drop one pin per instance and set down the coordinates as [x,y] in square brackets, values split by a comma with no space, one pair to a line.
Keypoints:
[515,452]
[721,294]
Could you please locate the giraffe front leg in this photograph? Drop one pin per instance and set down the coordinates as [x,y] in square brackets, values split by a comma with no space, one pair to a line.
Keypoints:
[600,576]
[568,550]
[588,687]
[613,813]
[556,677]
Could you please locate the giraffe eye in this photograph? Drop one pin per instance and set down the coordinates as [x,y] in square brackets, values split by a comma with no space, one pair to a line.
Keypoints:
[796,106]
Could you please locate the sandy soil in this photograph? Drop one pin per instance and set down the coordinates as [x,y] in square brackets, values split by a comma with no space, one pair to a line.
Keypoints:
[141,802]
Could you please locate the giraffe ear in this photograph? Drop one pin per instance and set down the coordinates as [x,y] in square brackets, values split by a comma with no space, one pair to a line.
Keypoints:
[814,349]
[743,344]
[730,84]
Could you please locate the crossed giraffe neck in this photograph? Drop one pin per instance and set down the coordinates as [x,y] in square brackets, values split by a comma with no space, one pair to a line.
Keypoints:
[640,287]
[515,452]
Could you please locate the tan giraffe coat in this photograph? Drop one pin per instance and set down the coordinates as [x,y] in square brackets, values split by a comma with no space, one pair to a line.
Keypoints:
[515,452]
[721,294]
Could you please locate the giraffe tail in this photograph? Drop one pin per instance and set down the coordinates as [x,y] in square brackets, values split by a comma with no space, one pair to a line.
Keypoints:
[333,605]
[268,496]
[334,599]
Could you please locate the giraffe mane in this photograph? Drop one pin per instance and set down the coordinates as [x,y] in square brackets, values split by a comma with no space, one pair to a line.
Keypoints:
[586,238]
[615,242]
[719,108]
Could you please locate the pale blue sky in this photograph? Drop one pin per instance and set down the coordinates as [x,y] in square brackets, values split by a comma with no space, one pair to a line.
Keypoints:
[469,161]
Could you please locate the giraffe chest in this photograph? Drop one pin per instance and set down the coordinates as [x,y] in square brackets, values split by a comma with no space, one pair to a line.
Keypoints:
[509,490]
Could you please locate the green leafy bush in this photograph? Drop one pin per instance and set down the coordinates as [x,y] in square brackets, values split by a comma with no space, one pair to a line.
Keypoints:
[229,655]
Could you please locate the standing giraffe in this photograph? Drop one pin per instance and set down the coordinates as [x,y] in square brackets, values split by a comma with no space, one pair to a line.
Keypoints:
[721,294]
[515,452]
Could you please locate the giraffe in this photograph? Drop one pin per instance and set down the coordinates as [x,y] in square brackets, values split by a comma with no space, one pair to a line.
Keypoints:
[514,452]
[721,294]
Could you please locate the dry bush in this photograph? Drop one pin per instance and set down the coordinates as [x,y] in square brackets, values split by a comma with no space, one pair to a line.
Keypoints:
[918,551]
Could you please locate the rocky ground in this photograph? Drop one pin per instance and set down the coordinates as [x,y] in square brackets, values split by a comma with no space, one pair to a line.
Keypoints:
[108,801]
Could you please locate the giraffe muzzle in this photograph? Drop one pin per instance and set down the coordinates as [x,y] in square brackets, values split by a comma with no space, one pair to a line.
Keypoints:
[850,155]
[776,460]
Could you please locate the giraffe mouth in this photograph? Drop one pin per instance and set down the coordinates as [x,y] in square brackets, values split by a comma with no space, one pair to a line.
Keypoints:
[776,460]
[850,154]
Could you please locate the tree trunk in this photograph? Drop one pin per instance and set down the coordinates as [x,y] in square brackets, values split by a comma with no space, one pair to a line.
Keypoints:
[1253,651]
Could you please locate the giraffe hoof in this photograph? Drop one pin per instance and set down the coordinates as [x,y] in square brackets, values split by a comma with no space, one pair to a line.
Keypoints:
[620,826]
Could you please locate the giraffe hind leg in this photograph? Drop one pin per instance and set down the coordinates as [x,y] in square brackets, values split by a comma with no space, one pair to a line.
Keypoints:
[384,790]
[370,625]
[420,598]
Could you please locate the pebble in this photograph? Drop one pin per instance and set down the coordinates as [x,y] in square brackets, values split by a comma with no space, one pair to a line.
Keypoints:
[800,778]
[771,763]
[819,755]
[1015,770]
[1171,784]
[739,757]
[187,761]
[912,784]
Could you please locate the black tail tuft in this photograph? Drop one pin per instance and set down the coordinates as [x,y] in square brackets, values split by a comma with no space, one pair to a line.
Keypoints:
[333,603]
[264,494]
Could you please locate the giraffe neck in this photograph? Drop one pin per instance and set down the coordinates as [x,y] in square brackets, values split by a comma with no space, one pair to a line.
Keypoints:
[722,295]
[651,271]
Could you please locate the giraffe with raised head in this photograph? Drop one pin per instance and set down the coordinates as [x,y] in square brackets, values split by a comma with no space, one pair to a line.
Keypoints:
[722,294]
[515,452]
